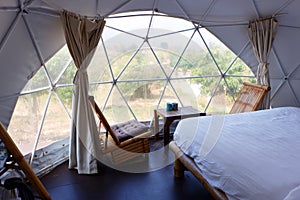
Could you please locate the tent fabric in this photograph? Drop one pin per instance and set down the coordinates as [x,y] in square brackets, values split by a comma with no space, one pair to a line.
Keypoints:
[262,34]
[82,36]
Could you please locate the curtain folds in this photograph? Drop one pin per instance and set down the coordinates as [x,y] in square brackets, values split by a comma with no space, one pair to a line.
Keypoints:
[82,37]
[261,34]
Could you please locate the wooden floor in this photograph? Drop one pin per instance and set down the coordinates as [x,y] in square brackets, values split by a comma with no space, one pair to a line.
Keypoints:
[112,184]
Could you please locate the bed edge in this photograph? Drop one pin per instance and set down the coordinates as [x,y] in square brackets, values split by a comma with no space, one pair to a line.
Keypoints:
[184,162]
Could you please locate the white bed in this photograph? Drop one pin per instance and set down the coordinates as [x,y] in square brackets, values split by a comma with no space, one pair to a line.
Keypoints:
[253,155]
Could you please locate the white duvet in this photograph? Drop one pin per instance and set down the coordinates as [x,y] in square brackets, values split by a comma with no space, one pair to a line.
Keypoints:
[252,155]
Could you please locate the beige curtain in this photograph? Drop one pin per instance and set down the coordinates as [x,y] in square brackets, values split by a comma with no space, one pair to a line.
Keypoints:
[82,37]
[261,34]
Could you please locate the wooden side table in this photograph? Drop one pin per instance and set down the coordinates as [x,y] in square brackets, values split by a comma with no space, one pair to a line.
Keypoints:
[170,116]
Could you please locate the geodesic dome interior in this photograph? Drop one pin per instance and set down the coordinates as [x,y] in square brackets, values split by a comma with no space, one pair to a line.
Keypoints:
[150,53]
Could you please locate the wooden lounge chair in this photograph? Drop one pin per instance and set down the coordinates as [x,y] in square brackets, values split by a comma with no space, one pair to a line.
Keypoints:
[17,161]
[249,99]
[123,141]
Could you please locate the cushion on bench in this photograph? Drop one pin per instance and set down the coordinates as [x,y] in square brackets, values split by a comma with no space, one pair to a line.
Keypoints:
[129,129]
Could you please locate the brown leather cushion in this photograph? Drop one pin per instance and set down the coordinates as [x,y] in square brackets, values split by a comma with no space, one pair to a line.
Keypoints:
[129,129]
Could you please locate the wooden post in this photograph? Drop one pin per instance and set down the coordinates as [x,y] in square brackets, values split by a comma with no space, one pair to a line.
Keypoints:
[156,125]
[23,164]
[178,169]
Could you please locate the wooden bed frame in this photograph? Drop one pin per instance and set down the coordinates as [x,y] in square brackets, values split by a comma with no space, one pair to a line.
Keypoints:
[184,162]
[249,99]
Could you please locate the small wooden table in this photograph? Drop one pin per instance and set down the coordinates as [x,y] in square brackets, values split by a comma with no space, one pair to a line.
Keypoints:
[170,116]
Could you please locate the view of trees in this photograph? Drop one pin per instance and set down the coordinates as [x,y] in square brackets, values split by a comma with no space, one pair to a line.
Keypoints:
[202,68]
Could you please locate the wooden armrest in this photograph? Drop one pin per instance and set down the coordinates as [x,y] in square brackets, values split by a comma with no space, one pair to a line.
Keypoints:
[142,136]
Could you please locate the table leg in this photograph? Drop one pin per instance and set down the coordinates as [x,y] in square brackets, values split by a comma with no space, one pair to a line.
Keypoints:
[167,123]
[156,125]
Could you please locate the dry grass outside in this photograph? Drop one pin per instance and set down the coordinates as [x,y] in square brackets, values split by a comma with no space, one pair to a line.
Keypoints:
[27,119]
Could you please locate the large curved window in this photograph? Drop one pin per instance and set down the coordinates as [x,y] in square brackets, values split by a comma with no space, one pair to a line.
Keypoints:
[143,61]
